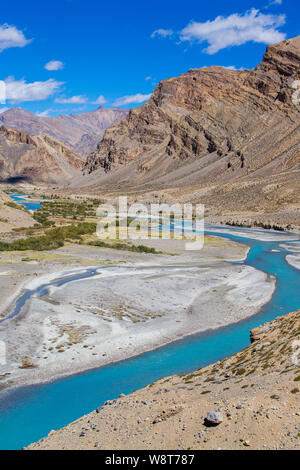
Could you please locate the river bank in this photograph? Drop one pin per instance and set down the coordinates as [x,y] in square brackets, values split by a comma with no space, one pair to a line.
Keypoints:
[33,405]
[58,329]
[255,394]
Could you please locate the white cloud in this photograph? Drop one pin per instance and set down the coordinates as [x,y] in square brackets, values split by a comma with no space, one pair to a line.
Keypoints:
[45,113]
[130,99]
[227,67]
[152,80]
[273,2]
[100,100]
[232,67]
[235,30]
[10,36]
[164,33]
[78,99]
[18,91]
[54,65]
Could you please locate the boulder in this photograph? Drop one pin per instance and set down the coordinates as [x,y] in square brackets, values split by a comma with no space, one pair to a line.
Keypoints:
[213,418]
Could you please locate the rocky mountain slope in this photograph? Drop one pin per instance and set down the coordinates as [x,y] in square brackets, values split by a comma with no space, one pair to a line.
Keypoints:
[81,132]
[227,138]
[247,401]
[36,159]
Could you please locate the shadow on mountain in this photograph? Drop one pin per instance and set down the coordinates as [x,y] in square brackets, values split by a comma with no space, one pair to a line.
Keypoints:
[16,179]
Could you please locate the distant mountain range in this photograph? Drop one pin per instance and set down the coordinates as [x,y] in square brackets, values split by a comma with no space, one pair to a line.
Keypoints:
[80,132]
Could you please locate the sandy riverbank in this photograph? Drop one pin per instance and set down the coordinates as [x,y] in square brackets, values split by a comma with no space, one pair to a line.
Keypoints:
[294,260]
[123,310]
[254,234]
[294,257]
[255,393]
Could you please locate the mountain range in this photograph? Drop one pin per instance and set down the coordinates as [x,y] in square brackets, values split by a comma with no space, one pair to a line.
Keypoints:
[229,139]
[80,132]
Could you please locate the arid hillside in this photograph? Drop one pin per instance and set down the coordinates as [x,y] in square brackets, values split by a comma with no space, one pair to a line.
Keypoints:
[247,401]
[11,217]
[226,138]
[36,159]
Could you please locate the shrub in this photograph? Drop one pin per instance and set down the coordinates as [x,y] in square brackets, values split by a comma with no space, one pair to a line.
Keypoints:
[53,238]
[26,363]
[125,246]
[13,205]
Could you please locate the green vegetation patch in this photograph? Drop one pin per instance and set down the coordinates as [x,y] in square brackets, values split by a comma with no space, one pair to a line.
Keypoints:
[13,205]
[66,209]
[125,247]
[53,238]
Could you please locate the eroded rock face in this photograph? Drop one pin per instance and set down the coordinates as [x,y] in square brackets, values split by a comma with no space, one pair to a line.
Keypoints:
[209,125]
[36,159]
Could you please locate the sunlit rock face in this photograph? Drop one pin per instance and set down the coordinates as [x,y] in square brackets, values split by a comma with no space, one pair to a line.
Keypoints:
[233,132]
[36,159]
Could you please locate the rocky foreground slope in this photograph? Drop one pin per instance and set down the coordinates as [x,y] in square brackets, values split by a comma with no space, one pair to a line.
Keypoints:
[81,132]
[11,217]
[36,158]
[247,401]
[229,139]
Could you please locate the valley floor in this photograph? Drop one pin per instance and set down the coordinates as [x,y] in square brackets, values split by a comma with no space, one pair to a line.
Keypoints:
[122,310]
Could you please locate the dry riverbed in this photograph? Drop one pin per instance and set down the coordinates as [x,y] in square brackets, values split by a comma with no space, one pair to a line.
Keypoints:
[255,394]
[121,311]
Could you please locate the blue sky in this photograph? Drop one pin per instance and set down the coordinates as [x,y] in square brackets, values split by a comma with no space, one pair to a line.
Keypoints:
[69,56]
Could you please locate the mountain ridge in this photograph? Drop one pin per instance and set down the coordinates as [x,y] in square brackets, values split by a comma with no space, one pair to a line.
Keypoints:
[36,159]
[229,139]
[80,132]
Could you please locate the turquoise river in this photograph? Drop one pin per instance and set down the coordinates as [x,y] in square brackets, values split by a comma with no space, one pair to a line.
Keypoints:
[28,413]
